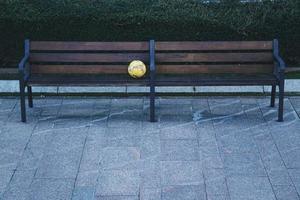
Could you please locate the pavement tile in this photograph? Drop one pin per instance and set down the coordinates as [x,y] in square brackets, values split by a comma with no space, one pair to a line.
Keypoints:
[127,102]
[181,173]
[279,177]
[183,192]
[118,182]
[150,147]
[18,187]
[225,106]
[91,156]
[273,162]
[45,124]
[243,187]
[209,146]
[291,158]
[295,176]
[285,192]
[168,109]
[83,192]
[150,174]
[237,142]
[59,165]
[218,197]
[120,157]
[51,189]
[10,152]
[188,131]
[230,124]
[285,143]
[179,150]
[125,118]
[150,194]
[215,182]
[87,178]
[5,177]
[243,164]
[67,122]
[63,141]
[266,145]
[171,120]
[118,137]
[117,197]
[211,160]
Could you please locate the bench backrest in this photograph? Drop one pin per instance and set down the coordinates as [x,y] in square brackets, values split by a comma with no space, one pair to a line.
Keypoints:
[247,57]
[85,57]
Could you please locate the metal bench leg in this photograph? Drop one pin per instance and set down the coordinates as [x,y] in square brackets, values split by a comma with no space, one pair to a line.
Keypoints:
[152,104]
[273,95]
[281,100]
[30,102]
[22,101]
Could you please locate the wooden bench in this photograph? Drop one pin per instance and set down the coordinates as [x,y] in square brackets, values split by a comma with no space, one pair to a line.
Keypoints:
[80,64]
[170,64]
[234,63]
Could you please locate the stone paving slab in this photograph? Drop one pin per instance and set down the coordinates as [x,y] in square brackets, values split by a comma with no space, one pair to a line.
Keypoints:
[201,148]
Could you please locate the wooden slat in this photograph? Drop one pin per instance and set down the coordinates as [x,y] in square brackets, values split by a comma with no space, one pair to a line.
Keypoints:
[88,46]
[214,69]
[88,57]
[79,69]
[214,57]
[82,80]
[213,45]
[179,80]
[161,69]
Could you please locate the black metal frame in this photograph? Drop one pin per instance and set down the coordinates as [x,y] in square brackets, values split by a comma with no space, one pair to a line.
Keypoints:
[152,80]
[279,69]
[24,73]
[279,73]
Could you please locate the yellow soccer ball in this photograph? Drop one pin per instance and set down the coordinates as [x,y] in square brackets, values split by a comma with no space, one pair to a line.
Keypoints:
[137,69]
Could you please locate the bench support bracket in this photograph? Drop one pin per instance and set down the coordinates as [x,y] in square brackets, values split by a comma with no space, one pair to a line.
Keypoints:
[273,95]
[30,102]
[281,98]
[22,100]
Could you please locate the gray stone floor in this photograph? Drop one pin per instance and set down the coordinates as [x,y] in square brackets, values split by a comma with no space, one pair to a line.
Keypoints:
[218,148]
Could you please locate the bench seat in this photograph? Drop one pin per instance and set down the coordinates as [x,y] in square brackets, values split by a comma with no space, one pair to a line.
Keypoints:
[214,80]
[87,80]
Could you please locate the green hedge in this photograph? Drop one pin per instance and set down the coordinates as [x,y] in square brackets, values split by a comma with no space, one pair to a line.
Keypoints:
[141,20]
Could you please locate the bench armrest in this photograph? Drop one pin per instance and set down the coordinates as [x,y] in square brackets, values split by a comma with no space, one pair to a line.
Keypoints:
[23,62]
[23,71]
[280,64]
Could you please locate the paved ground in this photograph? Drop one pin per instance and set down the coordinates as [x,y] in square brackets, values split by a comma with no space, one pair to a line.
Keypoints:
[105,149]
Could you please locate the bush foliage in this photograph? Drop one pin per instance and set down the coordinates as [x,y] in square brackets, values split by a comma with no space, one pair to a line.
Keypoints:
[141,20]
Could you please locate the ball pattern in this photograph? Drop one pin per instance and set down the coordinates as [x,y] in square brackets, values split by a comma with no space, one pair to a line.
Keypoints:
[137,69]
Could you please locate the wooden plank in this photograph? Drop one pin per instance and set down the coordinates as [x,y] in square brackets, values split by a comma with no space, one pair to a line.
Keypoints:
[292,69]
[79,69]
[86,80]
[88,46]
[214,78]
[213,45]
[214,57]
[161,69]
[88,57]
[9,71]
[215,69]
